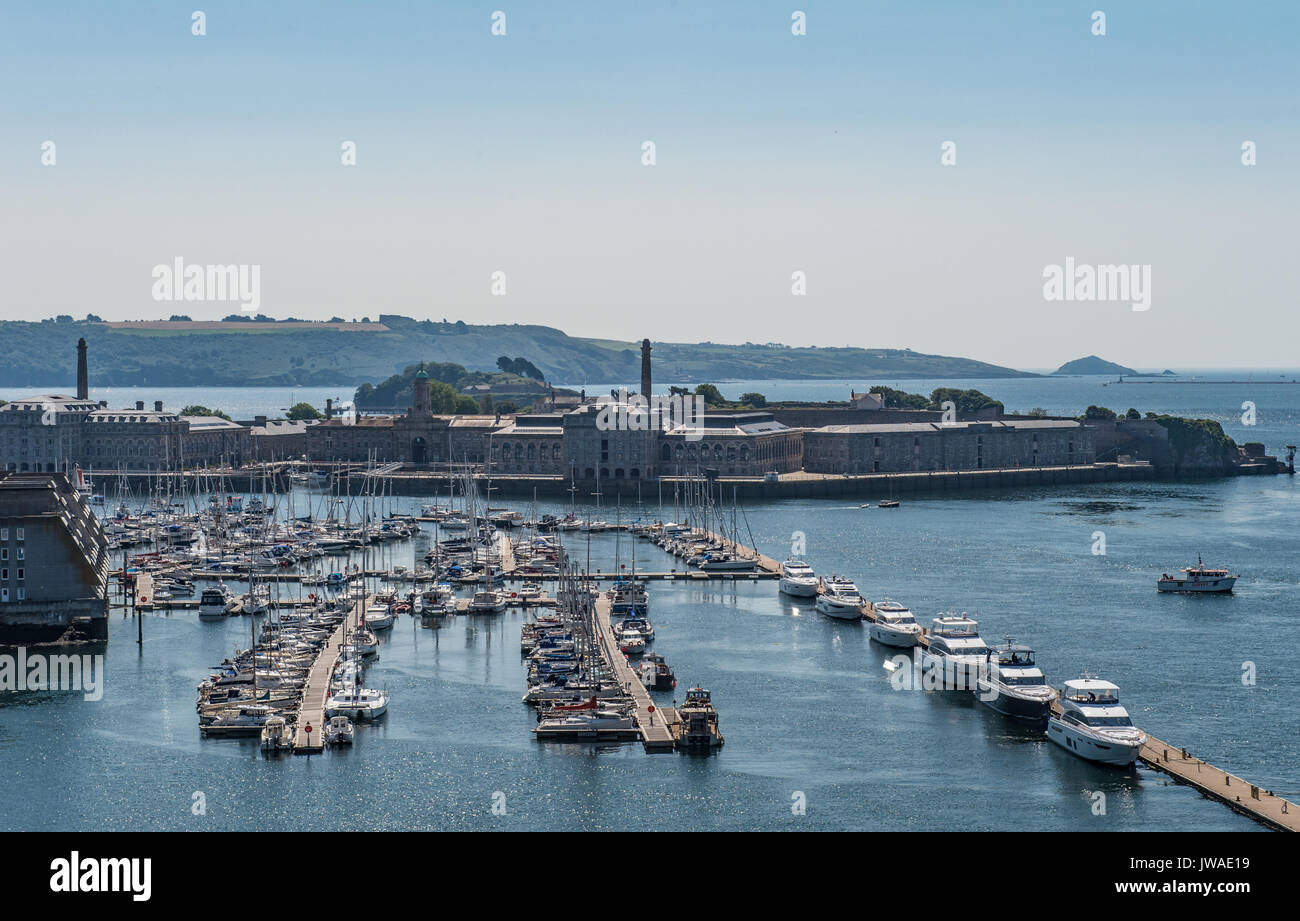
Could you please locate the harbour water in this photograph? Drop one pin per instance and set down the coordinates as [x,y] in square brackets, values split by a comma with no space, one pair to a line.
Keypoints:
[807,707]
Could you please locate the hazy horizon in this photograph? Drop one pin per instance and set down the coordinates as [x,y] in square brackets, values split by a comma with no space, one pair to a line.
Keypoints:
[775,153]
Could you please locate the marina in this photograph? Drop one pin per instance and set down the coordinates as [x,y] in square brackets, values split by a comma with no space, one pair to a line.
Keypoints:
[623,708]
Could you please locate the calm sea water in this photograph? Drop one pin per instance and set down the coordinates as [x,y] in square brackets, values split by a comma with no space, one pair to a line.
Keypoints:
[806,705]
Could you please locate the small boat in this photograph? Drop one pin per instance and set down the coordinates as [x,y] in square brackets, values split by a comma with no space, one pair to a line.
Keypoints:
[887,503]
[215,603]
[487,602]
[1198,579]
[1093,725]
[338,731]
[380,617]
[276,736]
[840,599]
[655,673]
[631,642]
[698,729]
[894,625]
[798,579]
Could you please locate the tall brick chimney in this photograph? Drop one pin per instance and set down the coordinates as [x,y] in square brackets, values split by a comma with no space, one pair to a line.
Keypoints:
[83,378]
[645,368]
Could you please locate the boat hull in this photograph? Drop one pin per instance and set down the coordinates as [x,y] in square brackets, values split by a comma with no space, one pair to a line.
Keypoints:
[1197,586]
[890,636]
[1014,706]
[1111,752]
[798,589]
[837,610]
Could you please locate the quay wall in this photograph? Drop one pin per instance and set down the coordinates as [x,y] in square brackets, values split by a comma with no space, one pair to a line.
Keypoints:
[790,486]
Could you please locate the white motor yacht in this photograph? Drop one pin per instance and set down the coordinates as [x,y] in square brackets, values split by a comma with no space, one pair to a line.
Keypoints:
[215,603]
[487,602]
[894,625]
[1093,724]
[798,579]
[956,652]
[379,617]
[840,599]
[1013,685]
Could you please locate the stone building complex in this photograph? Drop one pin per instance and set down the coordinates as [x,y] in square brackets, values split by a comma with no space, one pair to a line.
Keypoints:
[602,438]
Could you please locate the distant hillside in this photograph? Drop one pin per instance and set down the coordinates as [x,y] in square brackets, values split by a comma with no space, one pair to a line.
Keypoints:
[267,353]
[1092,365]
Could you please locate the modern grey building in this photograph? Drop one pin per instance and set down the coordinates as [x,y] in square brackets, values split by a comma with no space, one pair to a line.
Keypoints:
[53,563]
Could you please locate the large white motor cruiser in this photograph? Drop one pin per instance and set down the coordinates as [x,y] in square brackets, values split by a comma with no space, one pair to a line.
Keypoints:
[1093,724]
[956,652]
[894,625]
[798,579]
[1013,685]
[840,599]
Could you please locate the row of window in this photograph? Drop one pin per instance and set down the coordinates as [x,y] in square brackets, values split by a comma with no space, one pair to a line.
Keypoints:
[19,534]
[4,574]
[19,553]
[20,594]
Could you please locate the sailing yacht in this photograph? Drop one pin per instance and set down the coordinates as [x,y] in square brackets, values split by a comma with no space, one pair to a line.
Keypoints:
[358,704]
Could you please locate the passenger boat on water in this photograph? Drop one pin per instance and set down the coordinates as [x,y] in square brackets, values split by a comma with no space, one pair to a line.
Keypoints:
[1198,579]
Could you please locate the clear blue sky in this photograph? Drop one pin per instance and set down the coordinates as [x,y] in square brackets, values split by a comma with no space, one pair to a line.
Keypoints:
[775,153]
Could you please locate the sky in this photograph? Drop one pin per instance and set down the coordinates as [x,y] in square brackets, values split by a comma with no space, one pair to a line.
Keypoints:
[775,154]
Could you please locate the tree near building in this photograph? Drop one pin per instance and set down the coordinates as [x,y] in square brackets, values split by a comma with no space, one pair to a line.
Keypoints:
[302,411]
[712,395]
[197,410]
